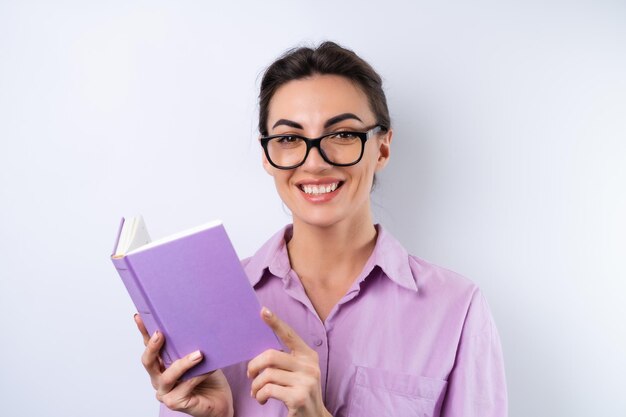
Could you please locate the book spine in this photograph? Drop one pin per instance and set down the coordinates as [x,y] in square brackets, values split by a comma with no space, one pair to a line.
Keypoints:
[144,307]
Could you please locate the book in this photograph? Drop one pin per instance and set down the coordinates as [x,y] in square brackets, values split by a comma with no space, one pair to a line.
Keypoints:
[192,288]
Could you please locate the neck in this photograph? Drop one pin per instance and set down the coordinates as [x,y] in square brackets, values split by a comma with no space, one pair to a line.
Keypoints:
[331,256]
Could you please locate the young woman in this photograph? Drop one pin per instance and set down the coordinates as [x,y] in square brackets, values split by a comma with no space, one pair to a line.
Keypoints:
[368,329]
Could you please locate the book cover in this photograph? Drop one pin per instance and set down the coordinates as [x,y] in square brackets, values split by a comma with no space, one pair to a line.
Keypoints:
[194,290]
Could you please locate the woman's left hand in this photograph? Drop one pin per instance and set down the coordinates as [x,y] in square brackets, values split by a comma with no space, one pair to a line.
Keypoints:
[293,378]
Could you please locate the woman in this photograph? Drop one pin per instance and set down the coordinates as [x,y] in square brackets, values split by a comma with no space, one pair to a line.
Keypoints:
[368,330]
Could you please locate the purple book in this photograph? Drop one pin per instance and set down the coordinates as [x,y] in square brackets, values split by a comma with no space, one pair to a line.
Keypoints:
[191,286]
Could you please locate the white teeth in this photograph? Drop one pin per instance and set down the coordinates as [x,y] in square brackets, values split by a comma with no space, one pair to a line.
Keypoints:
[320,189]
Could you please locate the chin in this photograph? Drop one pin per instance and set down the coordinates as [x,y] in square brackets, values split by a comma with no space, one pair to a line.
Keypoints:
[318,218]
[322,224]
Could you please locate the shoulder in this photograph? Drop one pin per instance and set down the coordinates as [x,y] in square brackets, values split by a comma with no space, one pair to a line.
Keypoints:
[454,291]
[414,272]
[430,276]
[246,261]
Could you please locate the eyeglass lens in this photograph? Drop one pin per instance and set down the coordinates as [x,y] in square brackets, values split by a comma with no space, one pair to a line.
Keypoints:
[340,148]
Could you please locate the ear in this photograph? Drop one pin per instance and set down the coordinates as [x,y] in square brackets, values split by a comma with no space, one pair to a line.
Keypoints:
[266,165]
[384,149]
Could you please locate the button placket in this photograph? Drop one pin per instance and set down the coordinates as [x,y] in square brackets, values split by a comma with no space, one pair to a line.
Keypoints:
[317,340]
[320,345]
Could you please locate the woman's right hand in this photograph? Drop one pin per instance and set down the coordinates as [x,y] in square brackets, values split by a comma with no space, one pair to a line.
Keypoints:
[206,395]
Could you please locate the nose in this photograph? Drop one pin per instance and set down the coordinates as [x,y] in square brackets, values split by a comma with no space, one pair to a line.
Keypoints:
[314,161]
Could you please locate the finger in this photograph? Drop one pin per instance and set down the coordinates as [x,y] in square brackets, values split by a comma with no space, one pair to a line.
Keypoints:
[278,392]
[272,358]
[180,398]
[142,328]
[150,357]
[285,333]
[169,378]
[273,376]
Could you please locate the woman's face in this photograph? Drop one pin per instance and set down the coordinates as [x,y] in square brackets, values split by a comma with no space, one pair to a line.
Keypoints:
[312,107]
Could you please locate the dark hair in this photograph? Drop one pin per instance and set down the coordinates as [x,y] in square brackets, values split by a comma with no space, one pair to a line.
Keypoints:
[327,59]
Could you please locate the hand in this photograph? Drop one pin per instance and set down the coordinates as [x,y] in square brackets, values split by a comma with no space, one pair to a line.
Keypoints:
[293,378]
[206,395]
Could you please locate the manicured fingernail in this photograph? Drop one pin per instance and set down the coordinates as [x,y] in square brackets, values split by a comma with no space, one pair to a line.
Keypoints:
[195,356]
[155,337]
[267,313]
[135,315]
[251,394]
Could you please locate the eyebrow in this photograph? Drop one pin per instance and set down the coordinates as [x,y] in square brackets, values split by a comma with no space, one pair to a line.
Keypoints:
[289,123]
[341,118]
[329,122]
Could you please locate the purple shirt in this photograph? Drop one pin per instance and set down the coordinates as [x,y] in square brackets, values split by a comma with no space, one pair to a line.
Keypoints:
[408,338]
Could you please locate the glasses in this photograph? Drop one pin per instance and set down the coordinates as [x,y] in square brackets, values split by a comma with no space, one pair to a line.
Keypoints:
[342,149]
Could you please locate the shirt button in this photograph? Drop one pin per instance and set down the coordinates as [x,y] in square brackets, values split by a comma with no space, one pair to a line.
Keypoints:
[318,342]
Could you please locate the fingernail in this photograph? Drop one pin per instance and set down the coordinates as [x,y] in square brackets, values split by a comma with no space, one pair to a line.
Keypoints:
[155,337]
[135,315]
[251,394]
[267,313]
[195,356]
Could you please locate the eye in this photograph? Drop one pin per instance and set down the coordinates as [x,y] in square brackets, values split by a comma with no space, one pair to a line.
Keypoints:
[345,135]
[343,138]
[287,141]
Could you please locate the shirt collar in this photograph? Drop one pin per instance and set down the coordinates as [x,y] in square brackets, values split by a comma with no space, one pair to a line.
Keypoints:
[271,256]
[388,254]
[393,259]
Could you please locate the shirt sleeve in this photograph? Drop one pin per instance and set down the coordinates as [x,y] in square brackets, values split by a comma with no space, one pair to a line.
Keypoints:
[477,384]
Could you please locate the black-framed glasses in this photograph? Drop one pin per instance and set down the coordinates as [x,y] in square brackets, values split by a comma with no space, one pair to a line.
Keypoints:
[341,148]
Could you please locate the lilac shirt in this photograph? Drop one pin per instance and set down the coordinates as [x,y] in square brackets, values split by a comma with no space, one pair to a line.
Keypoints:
[408,339]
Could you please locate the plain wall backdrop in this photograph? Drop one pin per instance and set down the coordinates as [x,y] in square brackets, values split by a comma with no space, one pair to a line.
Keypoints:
[508,166]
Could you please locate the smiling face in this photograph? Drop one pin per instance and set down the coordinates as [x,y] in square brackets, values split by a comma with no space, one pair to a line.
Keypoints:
[318,193]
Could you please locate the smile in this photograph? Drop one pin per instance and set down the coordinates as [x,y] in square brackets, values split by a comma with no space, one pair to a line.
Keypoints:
[318,189]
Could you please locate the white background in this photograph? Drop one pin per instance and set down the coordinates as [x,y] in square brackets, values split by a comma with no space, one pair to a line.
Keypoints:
[508,166]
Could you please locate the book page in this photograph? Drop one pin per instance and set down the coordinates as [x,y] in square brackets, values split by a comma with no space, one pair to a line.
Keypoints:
[139,235]
[173,237]
[133,235]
